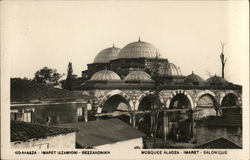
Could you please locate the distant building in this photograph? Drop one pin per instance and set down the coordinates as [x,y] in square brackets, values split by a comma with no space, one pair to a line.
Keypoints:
[111,133]
[59,111]
[34,136]
[32,102]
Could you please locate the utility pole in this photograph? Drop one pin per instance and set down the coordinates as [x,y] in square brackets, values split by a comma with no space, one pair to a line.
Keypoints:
[223,60]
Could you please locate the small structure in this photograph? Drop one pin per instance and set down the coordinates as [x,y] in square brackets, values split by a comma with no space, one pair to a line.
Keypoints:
[220,143]
[32,102]
[28,135]
[111,133]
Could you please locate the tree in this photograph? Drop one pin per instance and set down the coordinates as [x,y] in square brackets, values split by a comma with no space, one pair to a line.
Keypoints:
[223,60]
[47,76]
[68,84]
[157,107]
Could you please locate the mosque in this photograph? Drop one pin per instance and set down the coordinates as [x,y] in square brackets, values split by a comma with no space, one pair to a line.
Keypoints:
[142,88]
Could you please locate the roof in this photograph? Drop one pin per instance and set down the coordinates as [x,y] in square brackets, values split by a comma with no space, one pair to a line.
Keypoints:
[169,69]
[217,80]
[23,131]
[106,55]
[138,75]
[26,90]
[194,78]
[105,75]
[139,49]
[220,143]
[100,132]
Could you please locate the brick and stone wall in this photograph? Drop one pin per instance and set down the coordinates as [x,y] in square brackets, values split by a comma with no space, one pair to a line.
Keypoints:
[59,141]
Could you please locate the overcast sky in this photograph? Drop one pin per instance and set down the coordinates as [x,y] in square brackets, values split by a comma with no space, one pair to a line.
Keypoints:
[46,33]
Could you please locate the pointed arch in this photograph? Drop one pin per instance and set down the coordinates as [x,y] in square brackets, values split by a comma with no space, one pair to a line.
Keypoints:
[177,92]
[113,93]
[203,93]
[137,103]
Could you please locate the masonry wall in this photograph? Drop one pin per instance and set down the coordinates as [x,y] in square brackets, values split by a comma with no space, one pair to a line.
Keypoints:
[130,144]
[59,141]
[205,134]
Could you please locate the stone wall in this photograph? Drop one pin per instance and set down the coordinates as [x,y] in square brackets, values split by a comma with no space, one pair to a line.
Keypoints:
[206,134]
[62,141]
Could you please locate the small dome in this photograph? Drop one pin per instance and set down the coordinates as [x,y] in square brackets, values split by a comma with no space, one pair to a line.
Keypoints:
[105,75]
[217,80]
[194,78]
[169,69]
[139,49]
[138,75]
[106,55]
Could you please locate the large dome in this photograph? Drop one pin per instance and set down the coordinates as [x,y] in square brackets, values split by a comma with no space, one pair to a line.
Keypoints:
[139,49]
[105,75]
[106,55]
[137,76]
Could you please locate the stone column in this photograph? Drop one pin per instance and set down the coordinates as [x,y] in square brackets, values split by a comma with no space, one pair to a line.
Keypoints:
[85,110]
[192,123]
[133,120]
[165,125]
[151,121]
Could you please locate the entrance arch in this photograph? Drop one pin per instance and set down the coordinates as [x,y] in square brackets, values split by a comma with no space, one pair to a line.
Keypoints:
[180,118]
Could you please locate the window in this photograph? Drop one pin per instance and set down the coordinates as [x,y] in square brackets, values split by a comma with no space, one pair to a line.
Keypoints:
[27,116]
[79,111]
[15,115]
[89,106]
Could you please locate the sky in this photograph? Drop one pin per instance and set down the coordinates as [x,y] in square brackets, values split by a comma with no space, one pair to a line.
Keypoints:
[188,33]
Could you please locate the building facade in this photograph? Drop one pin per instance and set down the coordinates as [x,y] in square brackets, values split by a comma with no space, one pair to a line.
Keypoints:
[124,83]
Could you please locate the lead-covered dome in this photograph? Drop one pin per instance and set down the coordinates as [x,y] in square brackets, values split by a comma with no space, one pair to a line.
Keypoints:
[169,69]
[105,75]
[106,55]
[194,78]
[139,49]
[138,76]
[215,80]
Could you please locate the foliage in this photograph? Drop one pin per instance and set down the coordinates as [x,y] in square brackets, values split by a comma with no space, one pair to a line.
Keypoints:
[47,76]
[70,77]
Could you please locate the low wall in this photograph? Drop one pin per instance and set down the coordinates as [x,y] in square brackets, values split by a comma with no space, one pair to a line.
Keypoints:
[59,141]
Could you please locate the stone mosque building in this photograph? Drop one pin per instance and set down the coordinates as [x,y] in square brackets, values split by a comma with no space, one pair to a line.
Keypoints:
[123,82]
